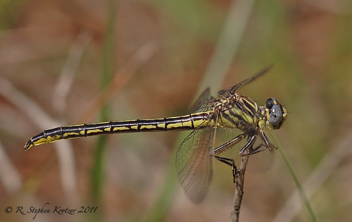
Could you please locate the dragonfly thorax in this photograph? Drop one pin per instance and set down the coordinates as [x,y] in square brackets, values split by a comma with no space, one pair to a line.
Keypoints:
[235,111]
[238,111]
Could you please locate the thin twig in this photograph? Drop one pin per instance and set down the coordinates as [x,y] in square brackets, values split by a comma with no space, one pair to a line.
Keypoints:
[225,51]
[239,183]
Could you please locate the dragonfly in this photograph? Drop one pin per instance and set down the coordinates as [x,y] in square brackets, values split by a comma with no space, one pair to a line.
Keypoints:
[208,118]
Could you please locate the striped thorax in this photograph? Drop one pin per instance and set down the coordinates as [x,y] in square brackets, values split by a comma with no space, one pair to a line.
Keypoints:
[241,112]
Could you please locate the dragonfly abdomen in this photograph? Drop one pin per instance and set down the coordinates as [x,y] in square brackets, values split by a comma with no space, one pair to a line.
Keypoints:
[186,122]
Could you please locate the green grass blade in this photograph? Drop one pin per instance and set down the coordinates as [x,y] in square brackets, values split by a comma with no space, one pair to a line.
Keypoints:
[304,199]
[166,195]
[106,75]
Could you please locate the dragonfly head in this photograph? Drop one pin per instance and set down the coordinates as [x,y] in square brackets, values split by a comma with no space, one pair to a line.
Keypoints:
[275,114]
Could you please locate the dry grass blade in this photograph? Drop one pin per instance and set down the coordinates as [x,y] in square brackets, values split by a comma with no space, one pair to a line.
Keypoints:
[10,177]
[65,82]
[120,79]
[226,49]
[43,121]
[227,46]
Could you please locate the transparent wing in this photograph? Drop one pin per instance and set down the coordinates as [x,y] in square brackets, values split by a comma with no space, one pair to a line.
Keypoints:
[193,163]
[234,88]
[203,103]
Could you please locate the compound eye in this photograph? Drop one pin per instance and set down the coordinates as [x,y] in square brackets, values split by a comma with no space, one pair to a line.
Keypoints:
[269,103]
[275,115]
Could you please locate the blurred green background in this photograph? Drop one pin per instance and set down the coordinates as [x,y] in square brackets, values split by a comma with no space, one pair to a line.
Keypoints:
[157,53]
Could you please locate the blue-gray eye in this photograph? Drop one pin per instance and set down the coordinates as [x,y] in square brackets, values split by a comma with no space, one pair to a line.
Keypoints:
[275,115]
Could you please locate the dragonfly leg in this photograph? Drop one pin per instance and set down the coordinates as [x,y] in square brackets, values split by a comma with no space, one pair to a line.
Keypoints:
[249,144]
[231,163]
[258,149]
[218,150]
[265,138]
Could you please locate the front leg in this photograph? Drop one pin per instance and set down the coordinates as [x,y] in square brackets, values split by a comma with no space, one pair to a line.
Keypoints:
[249,143]
[266,140]
[252,151]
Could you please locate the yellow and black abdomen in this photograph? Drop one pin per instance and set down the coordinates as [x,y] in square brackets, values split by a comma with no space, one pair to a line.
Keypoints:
[186,122]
